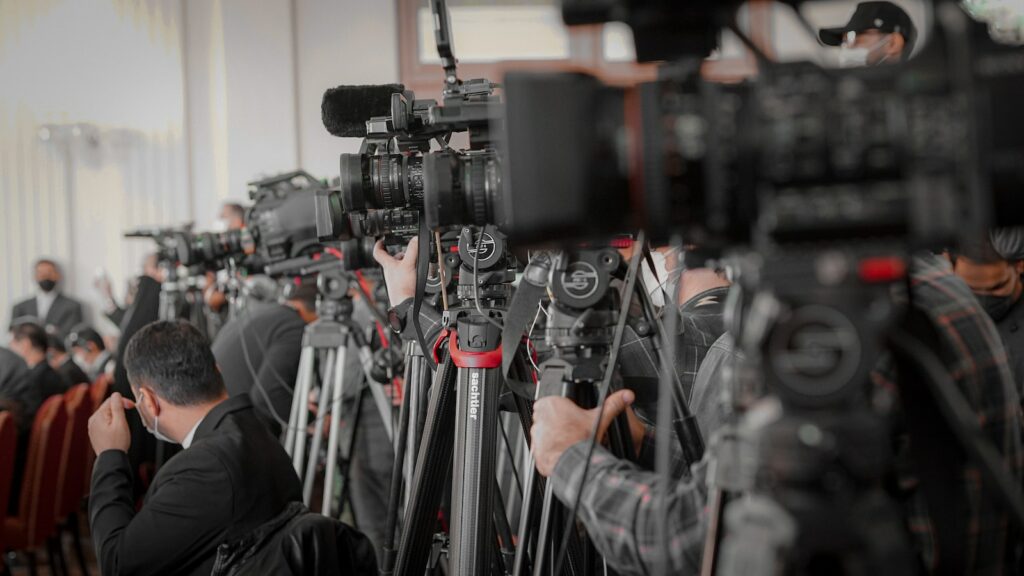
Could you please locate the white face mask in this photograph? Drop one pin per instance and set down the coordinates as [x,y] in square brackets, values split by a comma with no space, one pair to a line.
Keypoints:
[81,361]
[155,430]
[850,57]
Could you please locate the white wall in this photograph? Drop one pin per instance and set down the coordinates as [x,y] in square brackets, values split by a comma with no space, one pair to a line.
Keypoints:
[91,138]
[177,103]
[340,42]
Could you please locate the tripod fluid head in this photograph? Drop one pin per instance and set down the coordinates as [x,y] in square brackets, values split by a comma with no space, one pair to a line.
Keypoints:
[334,302]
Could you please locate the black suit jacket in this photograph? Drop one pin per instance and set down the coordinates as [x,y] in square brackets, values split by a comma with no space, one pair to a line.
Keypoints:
[72,373]
[233,478]
[64,314]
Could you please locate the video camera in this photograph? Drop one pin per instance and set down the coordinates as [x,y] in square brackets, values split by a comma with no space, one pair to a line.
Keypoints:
[280,227]
[800,153]
[398,177]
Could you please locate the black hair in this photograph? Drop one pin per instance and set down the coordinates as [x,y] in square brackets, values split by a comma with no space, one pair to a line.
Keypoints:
[175,360]
[34,332]
[236,209]
[55,342]
[43,261]
[83,334]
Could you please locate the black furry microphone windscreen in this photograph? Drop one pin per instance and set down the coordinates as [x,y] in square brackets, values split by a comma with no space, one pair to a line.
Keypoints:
[345,109]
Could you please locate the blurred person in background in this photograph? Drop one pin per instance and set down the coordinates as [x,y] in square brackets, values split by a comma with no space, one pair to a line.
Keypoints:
[114,311]
[11,368]
[258,352]
[144,309]
[59,359]
[24,396]
[49,306]
[231,217]
[90,351]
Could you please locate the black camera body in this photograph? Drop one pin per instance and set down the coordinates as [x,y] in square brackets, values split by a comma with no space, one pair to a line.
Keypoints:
[280,226]
[919,152]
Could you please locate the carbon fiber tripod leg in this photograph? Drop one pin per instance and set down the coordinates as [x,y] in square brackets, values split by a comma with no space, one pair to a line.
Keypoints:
[432,467]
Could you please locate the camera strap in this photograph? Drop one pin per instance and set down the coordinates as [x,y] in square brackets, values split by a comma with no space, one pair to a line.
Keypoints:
[523,308]
[422,270]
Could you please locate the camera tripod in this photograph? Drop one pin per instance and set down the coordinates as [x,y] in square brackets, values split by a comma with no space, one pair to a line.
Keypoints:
[328,338]
[460,431]
[581,330]
[823,444]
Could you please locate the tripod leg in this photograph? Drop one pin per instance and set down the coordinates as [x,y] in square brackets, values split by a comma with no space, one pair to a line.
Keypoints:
[432,466]
[379,398]
[526,517]
[337,388]
[416,386]
[296,423]
[322,413]
[388,546]
[473,481]
[383,405]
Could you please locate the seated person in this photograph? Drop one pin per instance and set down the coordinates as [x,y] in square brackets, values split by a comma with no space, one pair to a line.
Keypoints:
[24,396]
[231,477]
[90,352]
[258,352]
[40,381]
[11,368]
[59,359]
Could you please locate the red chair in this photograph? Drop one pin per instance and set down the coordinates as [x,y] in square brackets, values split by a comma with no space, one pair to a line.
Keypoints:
[99,390]
[8,447]
[37,503]
[71,486]
[97,393]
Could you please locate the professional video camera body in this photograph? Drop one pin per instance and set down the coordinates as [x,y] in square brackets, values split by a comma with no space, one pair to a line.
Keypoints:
[822,183]
[773,157]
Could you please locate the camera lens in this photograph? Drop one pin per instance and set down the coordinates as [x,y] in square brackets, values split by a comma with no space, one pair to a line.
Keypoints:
[208,247]
[462,188]
[355,181]
[358,254]
[381,181]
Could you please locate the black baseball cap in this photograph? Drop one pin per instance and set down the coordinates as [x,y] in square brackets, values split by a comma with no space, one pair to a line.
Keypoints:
[884,16]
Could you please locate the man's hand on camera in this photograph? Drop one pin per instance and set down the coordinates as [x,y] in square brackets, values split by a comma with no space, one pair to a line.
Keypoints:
[558,424]
[108,427]
[399,271]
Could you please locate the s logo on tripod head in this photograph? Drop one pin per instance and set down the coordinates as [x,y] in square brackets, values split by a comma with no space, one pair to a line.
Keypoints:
[486,247]
[580,280]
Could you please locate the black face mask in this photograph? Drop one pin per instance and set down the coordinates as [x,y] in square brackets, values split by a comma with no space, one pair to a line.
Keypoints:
[998,307]
[47,285]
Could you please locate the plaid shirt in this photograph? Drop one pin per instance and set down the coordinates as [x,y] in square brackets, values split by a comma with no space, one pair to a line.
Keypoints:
[979,364]
[619,502]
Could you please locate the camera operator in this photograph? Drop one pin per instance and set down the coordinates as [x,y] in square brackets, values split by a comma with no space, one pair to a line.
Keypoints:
[877,33]
[995,279]
[232,217]
[258,352]
[231,477]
